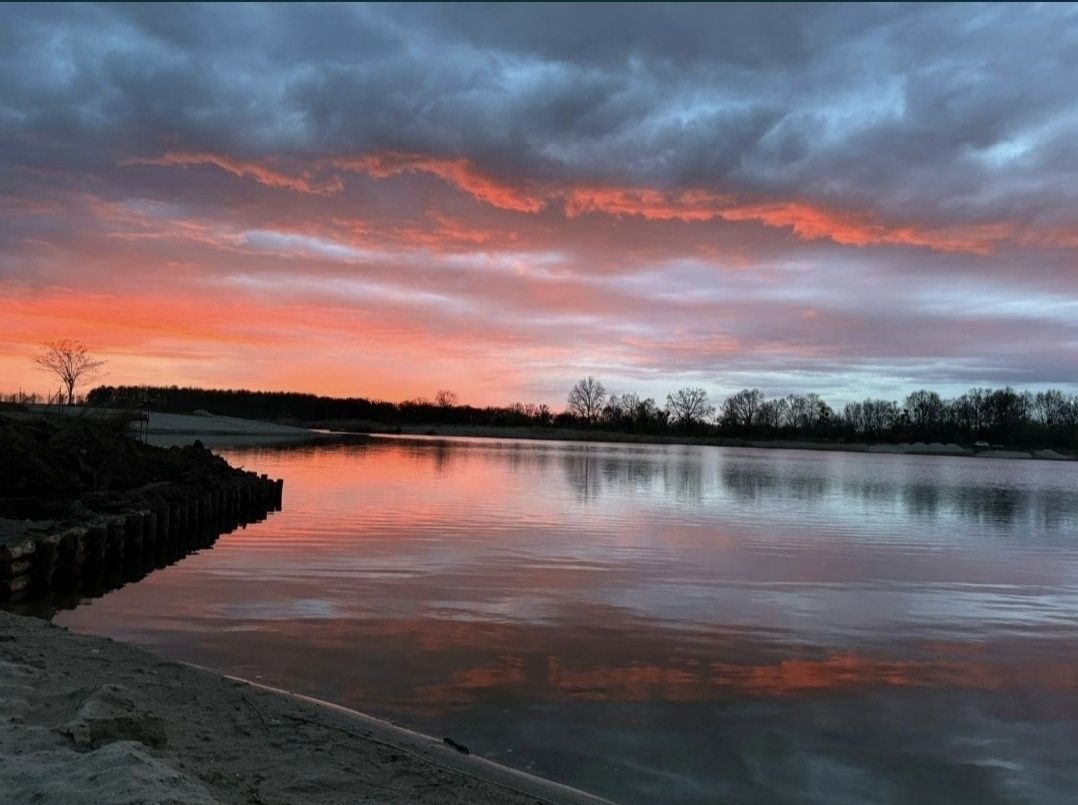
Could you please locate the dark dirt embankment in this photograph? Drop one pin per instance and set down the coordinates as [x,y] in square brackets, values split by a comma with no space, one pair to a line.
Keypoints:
[84,505]
[59,468]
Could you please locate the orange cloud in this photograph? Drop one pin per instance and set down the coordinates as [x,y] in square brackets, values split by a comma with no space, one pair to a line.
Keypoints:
[457,171]
[303,183]
[805,220]
[654,205]
[858,229]
[448,235]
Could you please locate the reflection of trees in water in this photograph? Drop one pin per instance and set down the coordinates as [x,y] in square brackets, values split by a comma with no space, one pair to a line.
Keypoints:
[685,479]
[932,499]
[750,482]
[932,494]
[927,490]
[989,504]
[924,500]
[525,457]
[442,454]
[629,474]
[1057,509]
[582,474]
[1049,509]
[877,491]
[592,472]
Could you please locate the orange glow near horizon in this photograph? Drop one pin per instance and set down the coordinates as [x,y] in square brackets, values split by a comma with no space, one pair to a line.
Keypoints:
[310,277]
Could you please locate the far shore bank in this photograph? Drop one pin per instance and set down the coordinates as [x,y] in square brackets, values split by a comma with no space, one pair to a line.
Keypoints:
[89,719]
[571,435]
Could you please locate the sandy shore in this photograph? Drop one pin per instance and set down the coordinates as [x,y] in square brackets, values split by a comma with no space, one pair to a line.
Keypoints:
[88,719]
[166,430]
[218,425]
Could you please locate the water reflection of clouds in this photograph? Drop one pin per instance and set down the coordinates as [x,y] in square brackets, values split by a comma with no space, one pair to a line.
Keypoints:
[605,603]
[987,494]
[284,608]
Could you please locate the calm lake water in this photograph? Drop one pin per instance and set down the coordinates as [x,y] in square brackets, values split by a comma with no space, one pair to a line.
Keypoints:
[661,623]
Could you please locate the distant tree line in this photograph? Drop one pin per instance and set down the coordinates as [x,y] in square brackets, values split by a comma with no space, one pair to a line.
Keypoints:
[1001,416]
[293,406]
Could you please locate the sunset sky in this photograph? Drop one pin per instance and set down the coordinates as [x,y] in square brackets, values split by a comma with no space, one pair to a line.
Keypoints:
[383,201]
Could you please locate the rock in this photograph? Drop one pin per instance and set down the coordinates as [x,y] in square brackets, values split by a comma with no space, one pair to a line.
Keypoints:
[14,569]
[122,773]
[110,714]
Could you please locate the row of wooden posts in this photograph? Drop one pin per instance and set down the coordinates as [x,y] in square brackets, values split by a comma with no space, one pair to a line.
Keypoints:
[144,537]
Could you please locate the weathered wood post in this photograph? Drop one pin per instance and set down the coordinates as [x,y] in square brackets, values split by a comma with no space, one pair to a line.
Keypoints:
[45,560]
[132,537]
[114,551]
[149,534]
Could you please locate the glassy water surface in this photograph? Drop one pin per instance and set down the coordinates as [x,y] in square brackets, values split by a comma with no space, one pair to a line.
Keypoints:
[660,623]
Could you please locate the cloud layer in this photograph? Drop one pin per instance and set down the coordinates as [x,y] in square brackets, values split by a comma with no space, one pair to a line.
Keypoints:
[385,200]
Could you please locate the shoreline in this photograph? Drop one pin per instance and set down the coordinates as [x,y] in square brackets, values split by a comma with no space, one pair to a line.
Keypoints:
[90,716]
[616,437]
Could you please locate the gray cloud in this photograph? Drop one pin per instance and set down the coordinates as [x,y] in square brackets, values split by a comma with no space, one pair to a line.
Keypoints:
[931,104]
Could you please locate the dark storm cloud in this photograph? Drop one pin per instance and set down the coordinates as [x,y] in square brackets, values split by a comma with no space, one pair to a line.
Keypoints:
[932,104]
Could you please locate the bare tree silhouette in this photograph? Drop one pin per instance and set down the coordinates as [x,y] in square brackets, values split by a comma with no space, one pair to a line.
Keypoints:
[925,409]
[70,361]
[741,408]
[444,398]
[586,398]
[689,406]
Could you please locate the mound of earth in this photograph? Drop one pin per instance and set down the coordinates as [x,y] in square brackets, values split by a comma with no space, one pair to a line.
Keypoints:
[50,465]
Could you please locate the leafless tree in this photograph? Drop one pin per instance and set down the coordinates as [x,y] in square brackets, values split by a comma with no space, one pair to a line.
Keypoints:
[773,414]
[586,398]
[806,412]
[1054,409]
[689,406]
[445,398]
[871,417]
[70,361]
[740,409]
[925,409]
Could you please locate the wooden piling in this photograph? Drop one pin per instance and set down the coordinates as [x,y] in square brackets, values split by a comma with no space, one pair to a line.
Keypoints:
[94,544]
[114,545]
[132,536]
[149,532]
[69,555]
[134,541]
[45,559]
[162,514]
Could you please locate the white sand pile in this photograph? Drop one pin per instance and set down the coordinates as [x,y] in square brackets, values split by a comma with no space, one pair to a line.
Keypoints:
[1051,454]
